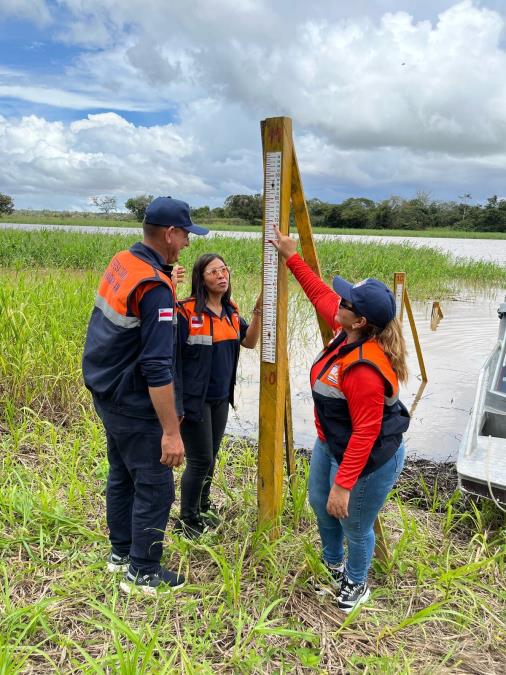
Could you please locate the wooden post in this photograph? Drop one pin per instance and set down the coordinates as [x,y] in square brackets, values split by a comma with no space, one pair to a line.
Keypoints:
[289,449]
[416,340]
[278,150]
[303,222]
[402,301]
[399,288]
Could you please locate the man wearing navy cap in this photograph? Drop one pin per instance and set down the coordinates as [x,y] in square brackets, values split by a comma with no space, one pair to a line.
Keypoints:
[129,365]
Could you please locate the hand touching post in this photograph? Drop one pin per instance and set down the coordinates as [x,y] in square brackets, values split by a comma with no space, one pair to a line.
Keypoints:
[285,245]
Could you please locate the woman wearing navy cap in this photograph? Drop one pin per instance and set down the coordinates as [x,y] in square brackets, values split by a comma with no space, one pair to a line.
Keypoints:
[359,452]
[210,332]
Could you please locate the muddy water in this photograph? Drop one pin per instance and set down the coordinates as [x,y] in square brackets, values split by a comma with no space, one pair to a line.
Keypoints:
[453,354]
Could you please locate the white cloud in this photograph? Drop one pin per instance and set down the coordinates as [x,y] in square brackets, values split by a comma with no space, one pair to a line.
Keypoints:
[99,154]
[34,10]
[433,85]
[382,99]
[64,98]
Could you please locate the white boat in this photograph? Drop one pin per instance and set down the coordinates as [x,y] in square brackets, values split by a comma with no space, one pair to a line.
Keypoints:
[481,463]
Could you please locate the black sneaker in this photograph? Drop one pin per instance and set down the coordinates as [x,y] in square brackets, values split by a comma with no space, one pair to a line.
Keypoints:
[210,516]
[154,583]
[352,595]
[189,529]
[117,563]
[336,573]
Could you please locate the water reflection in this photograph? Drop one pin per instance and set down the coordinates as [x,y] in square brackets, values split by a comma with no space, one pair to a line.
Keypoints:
[453,356]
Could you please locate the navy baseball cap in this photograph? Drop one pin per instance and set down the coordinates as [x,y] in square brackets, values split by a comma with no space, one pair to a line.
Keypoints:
[168,212]
[371,297]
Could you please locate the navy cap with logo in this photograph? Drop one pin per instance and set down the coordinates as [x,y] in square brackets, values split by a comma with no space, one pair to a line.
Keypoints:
[370,297]
[168,212]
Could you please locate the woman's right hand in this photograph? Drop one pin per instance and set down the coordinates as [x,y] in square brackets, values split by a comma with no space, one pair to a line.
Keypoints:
[285,245]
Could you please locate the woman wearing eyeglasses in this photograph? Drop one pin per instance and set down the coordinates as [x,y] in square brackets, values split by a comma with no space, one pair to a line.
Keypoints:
[210,332]
[359,452]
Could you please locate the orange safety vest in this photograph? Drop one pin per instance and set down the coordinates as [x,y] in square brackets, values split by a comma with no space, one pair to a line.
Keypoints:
[112,347]
[196,353]
[332,407]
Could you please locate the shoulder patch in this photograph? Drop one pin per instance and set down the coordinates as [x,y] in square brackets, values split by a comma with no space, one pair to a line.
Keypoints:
[165,314]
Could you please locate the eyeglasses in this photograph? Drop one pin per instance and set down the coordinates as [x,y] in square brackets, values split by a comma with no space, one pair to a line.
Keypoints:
[224,271]
[348,305]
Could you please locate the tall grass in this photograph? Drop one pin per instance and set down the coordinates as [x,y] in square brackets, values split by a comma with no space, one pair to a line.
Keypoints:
[430,273]
[438,602]
[249,606]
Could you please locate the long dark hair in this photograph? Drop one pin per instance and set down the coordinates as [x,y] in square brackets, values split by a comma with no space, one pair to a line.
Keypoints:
[199,291]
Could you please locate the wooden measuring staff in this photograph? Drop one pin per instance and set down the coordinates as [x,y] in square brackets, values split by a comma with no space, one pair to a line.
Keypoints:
[277,155]
[282,184]
[282,181]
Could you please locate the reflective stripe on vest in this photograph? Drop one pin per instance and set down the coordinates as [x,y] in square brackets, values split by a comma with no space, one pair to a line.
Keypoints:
[199,340]
[115,317]
[328,383]
[123,275]
[327,390]
[204,329]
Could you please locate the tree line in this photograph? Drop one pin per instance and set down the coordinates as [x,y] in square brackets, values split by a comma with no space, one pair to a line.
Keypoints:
[396,213]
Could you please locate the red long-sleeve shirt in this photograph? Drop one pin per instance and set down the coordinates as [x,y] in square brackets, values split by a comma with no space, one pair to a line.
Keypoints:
[362,385]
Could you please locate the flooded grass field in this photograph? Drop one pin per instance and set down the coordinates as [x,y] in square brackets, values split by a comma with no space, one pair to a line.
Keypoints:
[438,603]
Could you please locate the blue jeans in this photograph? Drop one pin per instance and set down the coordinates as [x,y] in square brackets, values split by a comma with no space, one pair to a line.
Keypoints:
[366,499]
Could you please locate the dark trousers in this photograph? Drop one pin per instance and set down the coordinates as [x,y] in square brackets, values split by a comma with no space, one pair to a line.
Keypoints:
[201,443]
[140,490]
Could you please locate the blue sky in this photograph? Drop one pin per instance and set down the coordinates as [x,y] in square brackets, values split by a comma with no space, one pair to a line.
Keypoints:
[131,97]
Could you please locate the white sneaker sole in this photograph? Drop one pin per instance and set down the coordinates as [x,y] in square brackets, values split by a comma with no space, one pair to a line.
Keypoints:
[128,587]
[360,601]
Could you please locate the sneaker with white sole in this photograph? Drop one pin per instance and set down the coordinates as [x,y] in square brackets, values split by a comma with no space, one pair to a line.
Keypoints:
[117,563]
[154,583]
[336,573]
[352,595]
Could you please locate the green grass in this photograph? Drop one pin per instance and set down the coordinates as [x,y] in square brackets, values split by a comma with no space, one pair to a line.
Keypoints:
[431,273]
[233,224]
[249,606]
[438,603]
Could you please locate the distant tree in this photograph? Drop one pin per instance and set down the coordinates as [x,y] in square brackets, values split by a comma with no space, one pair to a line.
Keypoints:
[383,218]
[218,212]
[247,207]
[104,203]
[333,216]
[201,213]
[465,199]
[6,205]
[357,212]
[492,216]
[138,205]
[318,210]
